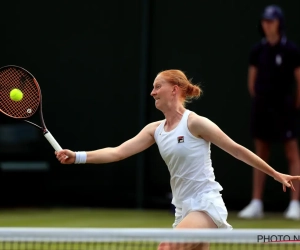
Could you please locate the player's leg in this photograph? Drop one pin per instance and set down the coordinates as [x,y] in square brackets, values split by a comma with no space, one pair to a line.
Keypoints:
[196,220]
[206,210]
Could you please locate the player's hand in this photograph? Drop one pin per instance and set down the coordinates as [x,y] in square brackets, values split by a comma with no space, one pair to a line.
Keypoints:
[286,180]
[65,156]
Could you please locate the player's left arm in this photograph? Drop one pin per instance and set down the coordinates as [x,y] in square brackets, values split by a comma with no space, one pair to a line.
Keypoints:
[209,131]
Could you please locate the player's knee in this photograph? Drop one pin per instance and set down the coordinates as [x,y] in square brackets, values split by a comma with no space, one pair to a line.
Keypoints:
[185,246]
[165,246]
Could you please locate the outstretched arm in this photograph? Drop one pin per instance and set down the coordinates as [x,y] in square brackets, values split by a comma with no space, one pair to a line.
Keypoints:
[143,140]
[209,131]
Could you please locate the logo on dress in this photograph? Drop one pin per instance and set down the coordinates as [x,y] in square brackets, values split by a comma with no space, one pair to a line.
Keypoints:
[278,60]
[180,139]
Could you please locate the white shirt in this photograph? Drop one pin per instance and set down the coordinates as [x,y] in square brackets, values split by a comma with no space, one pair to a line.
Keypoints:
[188,160]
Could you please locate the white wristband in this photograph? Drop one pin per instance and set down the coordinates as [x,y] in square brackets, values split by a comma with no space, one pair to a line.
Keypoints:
[80,157]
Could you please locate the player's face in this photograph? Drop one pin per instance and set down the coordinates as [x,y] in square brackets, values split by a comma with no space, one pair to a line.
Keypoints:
[162,92]
[270,27]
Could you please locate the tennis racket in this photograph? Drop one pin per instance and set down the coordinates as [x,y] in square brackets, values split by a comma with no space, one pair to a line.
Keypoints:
[30,106]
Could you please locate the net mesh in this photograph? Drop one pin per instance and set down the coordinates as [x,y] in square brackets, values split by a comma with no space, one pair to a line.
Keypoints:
[14,77]
[162,239]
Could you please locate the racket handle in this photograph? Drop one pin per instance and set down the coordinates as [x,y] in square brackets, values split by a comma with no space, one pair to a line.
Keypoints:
[52,141]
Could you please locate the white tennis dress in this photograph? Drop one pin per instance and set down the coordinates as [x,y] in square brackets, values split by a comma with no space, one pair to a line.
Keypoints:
[192,177]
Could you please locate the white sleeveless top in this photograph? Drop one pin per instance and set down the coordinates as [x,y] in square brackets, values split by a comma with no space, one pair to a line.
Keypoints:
[188,160]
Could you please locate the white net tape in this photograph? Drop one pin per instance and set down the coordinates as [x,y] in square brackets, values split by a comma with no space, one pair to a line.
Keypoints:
[148,235]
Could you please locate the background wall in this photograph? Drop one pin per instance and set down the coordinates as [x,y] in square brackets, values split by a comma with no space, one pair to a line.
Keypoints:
[96,62]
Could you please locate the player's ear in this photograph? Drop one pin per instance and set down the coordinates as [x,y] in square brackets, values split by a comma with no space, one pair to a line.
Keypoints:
[175,89]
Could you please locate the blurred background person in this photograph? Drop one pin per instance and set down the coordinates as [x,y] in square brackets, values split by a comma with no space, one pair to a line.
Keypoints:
[273,71]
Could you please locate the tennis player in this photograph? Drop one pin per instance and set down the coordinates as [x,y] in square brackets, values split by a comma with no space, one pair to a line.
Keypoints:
[183,139]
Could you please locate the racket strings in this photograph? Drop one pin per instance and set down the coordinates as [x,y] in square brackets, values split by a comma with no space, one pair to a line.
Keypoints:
[11,78]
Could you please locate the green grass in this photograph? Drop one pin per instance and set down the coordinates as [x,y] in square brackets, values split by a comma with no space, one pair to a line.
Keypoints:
[112,218]
[85,218]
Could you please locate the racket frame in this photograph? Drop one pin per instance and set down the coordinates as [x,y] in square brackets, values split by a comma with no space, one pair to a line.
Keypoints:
[44,129]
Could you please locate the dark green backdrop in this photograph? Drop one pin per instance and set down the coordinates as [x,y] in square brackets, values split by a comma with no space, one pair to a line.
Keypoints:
[96,63]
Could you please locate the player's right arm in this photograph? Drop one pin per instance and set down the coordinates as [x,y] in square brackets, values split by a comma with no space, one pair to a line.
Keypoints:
[143,140]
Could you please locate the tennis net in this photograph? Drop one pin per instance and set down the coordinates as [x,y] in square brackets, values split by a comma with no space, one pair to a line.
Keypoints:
[147,239]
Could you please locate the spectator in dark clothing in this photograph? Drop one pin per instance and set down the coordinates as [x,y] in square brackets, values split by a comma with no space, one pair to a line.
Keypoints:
[274,86]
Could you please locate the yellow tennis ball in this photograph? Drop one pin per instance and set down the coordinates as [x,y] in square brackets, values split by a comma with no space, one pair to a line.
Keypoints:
[16,95]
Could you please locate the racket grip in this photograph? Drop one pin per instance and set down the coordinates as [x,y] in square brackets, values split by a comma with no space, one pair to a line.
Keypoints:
[52,141]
